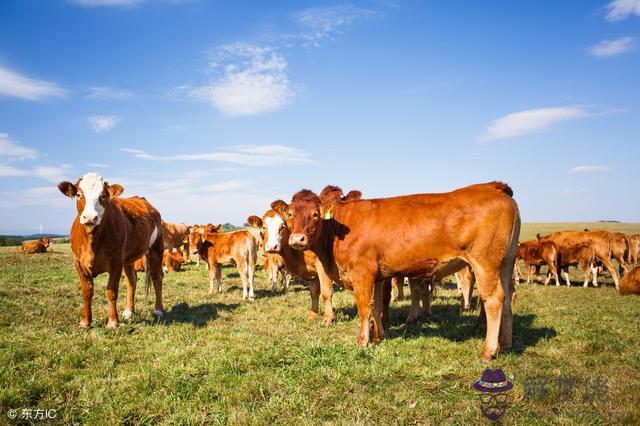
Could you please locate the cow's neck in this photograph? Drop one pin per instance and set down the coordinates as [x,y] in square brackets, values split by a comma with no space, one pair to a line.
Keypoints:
[323,248]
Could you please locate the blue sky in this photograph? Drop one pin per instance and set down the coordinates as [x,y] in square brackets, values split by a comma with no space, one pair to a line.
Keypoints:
[214,109]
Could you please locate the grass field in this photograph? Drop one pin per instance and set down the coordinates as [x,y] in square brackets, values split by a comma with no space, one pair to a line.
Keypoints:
[215,359]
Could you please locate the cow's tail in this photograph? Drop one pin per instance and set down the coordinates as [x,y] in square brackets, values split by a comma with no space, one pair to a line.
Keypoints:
[147,277]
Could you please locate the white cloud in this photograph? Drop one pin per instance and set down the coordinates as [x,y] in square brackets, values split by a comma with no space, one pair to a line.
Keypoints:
[323,23]
[98,165]
[607,48]
[11,149]
[6,170]
[103,123]
[618,10]
[259,156]
[589,169]
[39,196]
[50,173]
[105,92]
[20,86]
[230,185]
[530,121]
[247,80]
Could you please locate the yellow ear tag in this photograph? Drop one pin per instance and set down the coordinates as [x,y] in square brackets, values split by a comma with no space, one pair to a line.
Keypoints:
[327,214]
[185,240]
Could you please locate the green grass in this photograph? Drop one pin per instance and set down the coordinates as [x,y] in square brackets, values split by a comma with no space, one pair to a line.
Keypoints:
[215,359]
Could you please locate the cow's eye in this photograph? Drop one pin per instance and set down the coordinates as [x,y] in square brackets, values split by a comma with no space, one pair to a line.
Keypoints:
[315,214]
[290,214]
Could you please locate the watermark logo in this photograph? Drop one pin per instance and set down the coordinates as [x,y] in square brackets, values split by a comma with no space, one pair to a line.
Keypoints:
[494,396]
[32,414]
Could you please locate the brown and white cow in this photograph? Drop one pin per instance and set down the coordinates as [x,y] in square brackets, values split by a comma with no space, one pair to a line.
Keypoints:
[600,240]
[361,242]
[35,246]
[630,283]
[536,253]
[223,248]
[583,254]
[305,265]
[108,235]
[174,235]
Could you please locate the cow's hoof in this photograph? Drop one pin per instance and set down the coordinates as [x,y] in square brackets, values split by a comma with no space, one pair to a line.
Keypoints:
[127,314]
[327,320]
[84,324]
[113,324]
[486,357]
[312,315]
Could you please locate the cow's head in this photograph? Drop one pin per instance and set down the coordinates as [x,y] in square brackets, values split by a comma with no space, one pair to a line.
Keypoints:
[273,231]
[92,195]
[210,227]
[46,241]
[303,217]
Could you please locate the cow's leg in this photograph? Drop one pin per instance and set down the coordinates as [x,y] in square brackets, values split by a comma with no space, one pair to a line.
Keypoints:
[565,274]
[212,274]
[86,285]
[586,270]
[594,274]
[363,287]
[607,264]
[529,272]
[273,275]
[154,260]
[242,270]
[250,277]
[314,289]
[425,297]
[398,283]
[467,292]
[287,279]
[414,288]
[218,274]
[378,302]
[326,291]
[115,273]
[493,304]
[131,279]
[386,301]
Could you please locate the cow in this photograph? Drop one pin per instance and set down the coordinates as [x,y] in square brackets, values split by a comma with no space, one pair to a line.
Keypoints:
[220,248]
[620,251]
[630,283]
[275,266]
[194,230]
[174,235]
[634,250]
[600,240]
[534,254]
[583,254]
[172,262]
[305,265]
[361,242]
[108,234]
[35,246]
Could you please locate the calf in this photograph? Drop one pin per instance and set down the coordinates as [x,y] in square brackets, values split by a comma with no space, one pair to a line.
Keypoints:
[364,242]
[172,262]
[630,283]
[37,246]
[196,230]
[218,248]
[583,254]
[275,266]
[535,253]
[108,235]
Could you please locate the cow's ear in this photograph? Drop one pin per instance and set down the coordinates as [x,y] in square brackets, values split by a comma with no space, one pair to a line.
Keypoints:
[280,207]
[216,228]
[538,236]
[114,190]
[68,189]
[353,195]
[326,210]
[255,221]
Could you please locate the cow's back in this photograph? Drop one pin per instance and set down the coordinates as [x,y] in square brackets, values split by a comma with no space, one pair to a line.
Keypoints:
[630,283]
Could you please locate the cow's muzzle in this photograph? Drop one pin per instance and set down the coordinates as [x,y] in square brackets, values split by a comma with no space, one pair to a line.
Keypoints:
[299,241]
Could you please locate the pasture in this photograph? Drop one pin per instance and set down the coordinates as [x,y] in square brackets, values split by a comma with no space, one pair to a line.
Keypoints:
[215,359]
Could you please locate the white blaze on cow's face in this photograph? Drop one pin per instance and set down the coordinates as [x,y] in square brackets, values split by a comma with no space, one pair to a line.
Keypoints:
[93,194]
[274,229]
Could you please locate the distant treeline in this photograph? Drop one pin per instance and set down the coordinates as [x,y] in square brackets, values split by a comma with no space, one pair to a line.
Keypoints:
[16,240]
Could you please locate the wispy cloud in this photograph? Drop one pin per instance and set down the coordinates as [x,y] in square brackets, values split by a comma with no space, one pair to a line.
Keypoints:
[19,86]
[618,10]
[321,24]
[49,173]
[589,169]
[258,156]
[38,196]
[607,48]
[530,121]
[98,165]
[230,185]
[103,123]
[105,92]
[247,80]
[13,150]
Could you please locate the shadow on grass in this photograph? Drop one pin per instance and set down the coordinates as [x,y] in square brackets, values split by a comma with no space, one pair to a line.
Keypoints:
[198,315]
[448,323]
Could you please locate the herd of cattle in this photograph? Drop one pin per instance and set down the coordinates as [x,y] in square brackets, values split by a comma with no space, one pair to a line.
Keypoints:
[365,245]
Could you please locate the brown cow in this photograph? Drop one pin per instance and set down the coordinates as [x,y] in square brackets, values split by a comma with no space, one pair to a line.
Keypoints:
[620,251]
[630,283]
[600,240]
[172,262]
[304,265]
[108,235]
[174,235]
[275,266]
[634,250]
[361,242]
[219,248]
[583,254]
[35,246]
[535,254]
